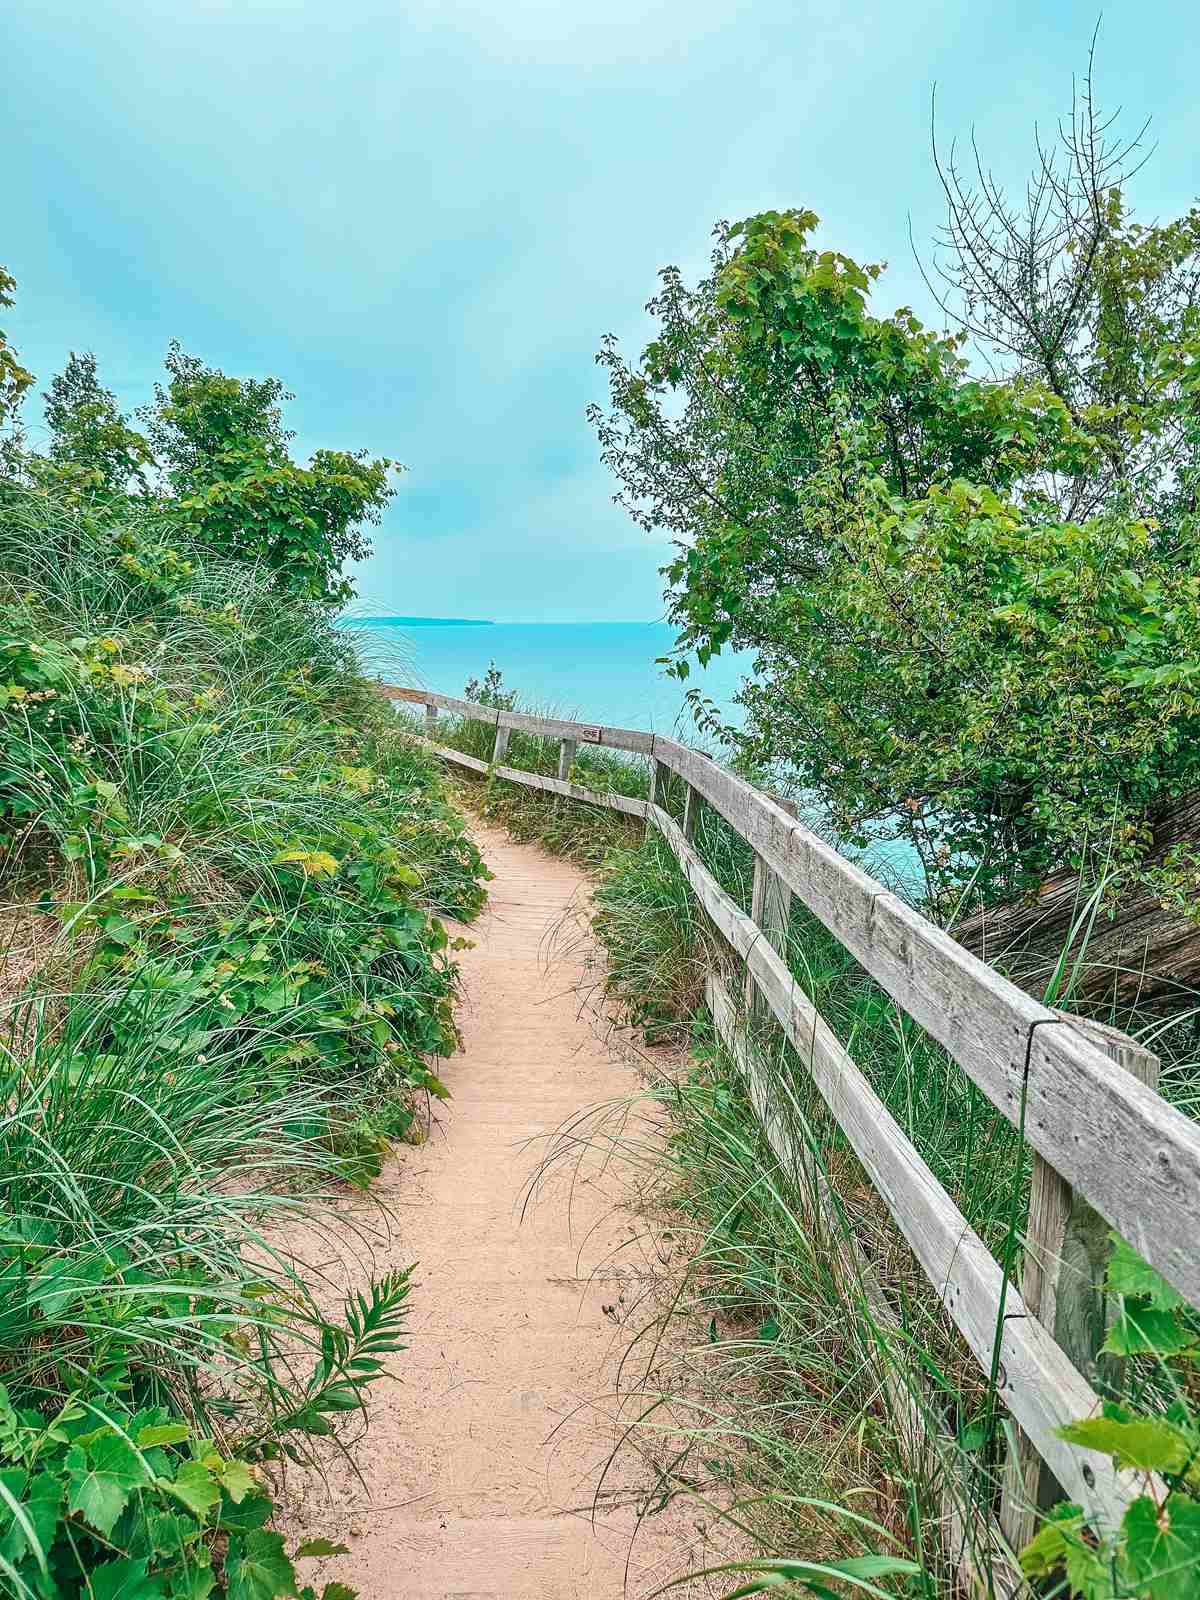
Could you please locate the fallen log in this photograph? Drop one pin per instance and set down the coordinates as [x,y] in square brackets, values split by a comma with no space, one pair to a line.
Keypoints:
[1138,951]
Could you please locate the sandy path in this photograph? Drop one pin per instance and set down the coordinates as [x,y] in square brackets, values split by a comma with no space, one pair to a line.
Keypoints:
[482,1460]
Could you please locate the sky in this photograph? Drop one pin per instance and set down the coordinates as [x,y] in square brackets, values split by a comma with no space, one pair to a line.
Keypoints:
[424,215]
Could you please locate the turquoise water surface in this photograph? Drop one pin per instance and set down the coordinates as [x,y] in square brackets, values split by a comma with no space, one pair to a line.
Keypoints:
[587,671]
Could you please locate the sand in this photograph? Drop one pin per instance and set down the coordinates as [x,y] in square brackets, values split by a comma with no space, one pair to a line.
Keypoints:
[484,1457]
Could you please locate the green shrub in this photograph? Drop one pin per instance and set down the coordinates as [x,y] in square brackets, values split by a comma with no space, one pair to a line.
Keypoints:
[1153,1432]
[101,1502]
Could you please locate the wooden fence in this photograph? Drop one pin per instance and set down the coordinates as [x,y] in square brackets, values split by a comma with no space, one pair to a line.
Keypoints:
[1108,1151]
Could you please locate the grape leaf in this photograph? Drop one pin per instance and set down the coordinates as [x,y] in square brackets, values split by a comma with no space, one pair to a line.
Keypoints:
[41,1506]
[193,1583]
[1141,1329]
[1047,1550]
[250,1513]
[237,1480]
[1149,1445]
[1164,1547]
[164,1433]
[100,1480]
[125,1580]
[256,1568]
[195,1485]
[1128,1274]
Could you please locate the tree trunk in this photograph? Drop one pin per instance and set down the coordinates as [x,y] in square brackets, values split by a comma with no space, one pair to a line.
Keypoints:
[1138,952]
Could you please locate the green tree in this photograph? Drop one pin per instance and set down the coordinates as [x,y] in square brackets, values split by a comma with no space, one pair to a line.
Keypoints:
[88,432]
[973,600]
[223,449]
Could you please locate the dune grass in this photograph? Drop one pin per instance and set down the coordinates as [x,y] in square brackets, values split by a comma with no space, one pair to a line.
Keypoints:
[236,865]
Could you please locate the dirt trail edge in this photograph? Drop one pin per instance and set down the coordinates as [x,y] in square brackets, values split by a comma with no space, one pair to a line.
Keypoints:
[482,1460]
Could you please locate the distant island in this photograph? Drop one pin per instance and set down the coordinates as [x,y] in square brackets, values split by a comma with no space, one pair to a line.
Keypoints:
[423,622]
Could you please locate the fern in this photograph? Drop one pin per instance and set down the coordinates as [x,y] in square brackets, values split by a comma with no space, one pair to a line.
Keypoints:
[351,1356]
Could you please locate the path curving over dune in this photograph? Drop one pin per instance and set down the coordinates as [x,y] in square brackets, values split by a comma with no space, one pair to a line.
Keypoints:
[483,1459]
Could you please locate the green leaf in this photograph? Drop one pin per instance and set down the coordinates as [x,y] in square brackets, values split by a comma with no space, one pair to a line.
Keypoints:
[972,1436]
[275,997]
[162,1433]
[256,1568]
[1089,1570]
[237,1480]
[195,1582]
[168,1532]
[195,1486]
[857,1570]
[872,1566]
[1147,1444]
[321,1547]
[1128,1274]
[100,1480]
[338,1591]
[1164,1547]
[252,1512]
[125,1580]
[63,1282]
[40,1505]
[121,930]
[1143,1330]
[1046,1552]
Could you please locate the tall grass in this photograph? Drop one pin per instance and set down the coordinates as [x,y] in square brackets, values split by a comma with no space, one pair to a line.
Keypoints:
[235,863]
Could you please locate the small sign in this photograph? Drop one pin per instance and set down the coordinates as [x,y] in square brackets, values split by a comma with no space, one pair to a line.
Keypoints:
[590,735]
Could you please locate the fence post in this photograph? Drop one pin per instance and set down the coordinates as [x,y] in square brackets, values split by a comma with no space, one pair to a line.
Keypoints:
[500,748]
[566,755]
[431,716]
[771,909]
[660,776]
[1062,1284]
[691,812]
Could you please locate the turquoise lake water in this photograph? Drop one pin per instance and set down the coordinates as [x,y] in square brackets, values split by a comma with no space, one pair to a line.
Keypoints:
[587,671]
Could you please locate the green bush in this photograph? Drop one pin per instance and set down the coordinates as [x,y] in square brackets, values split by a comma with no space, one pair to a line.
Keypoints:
[100,1502]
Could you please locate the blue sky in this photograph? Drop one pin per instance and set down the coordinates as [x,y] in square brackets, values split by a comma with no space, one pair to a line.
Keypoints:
[423,216]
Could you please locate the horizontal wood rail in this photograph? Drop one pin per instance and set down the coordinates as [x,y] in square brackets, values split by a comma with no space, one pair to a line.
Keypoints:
[1106,1138]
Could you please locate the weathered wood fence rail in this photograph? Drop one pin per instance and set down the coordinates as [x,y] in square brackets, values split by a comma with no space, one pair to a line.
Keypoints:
[1107,1146]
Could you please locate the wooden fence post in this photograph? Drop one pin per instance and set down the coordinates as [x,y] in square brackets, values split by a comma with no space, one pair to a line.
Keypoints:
[1062,1284]
[431,716]
[771,910]
[566,755]
[660,776]
[500,748]
[691,812]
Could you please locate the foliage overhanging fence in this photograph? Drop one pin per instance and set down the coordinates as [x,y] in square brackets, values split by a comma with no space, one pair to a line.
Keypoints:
[1108,1149]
